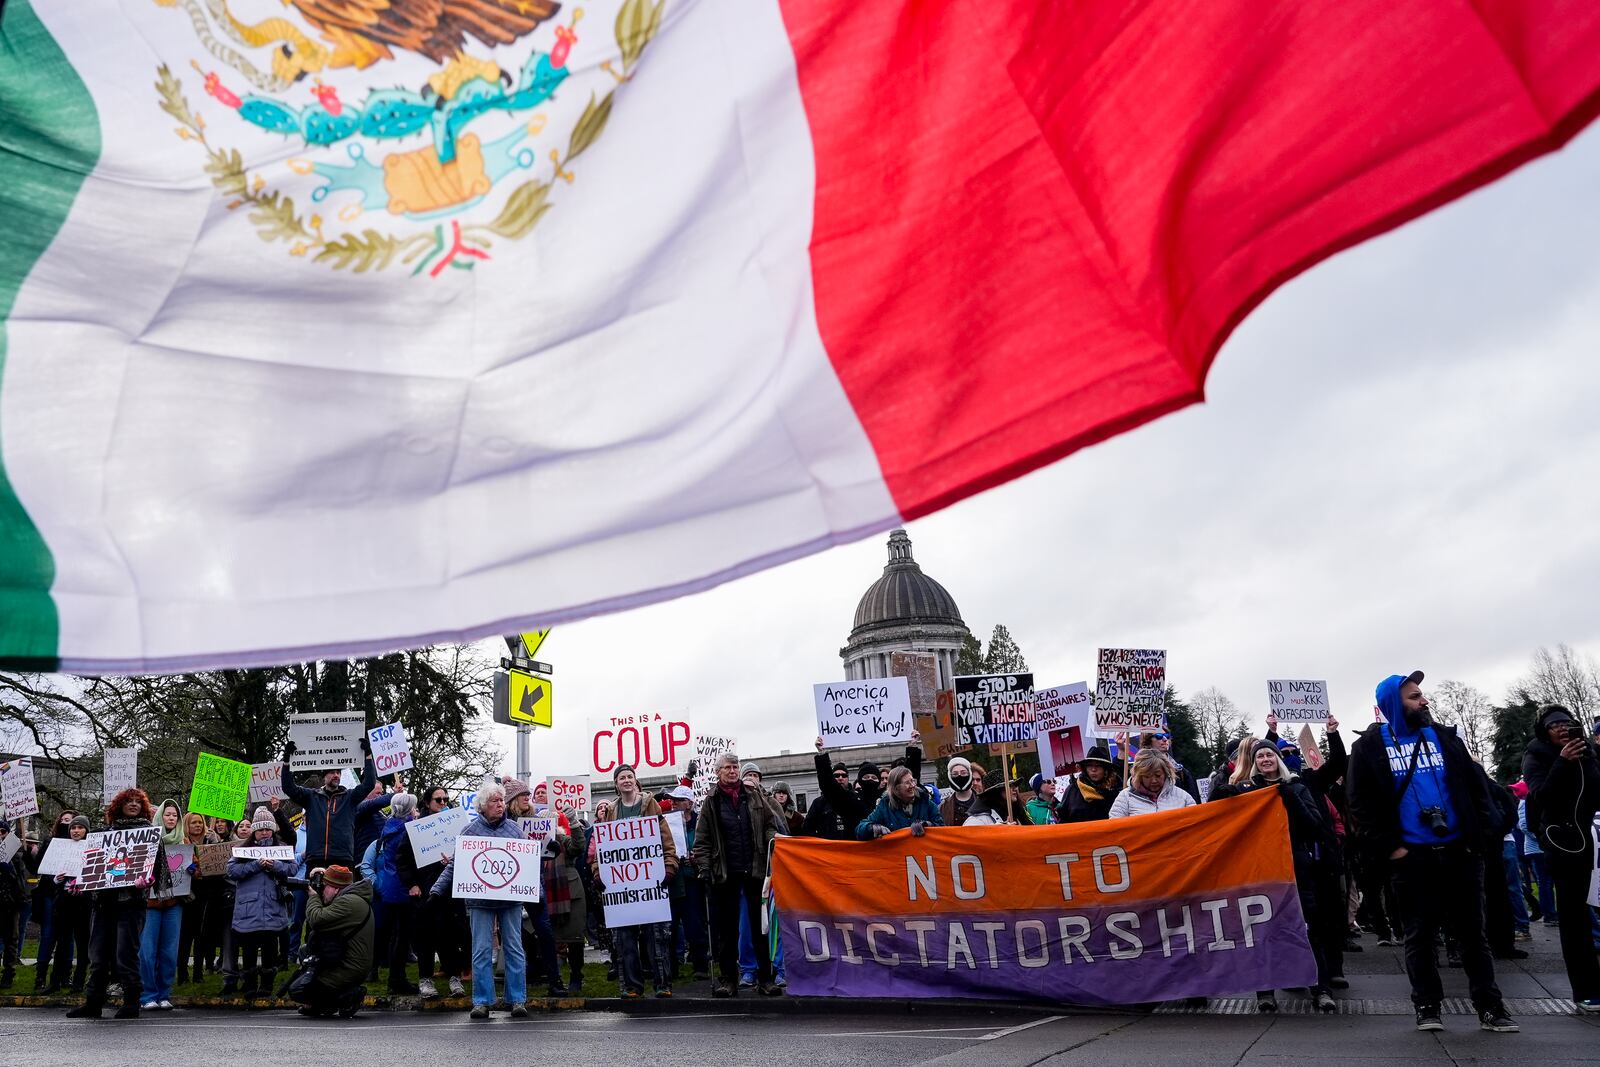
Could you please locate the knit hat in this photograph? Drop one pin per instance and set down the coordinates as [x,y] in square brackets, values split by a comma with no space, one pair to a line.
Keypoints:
[958,764]
[402,805]
[867,767]
[514,788]
[1098,754]
[263,820]
[1035,782]
[749,768]
[783,787]
[81,820]
[338,876]
[620,768]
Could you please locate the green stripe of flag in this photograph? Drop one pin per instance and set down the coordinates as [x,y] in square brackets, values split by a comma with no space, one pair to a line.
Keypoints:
[49,143]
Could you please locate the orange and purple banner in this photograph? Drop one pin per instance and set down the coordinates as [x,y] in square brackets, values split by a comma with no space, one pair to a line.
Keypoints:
[1198,902]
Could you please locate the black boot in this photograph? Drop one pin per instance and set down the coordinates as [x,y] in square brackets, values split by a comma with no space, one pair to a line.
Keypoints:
[8,978]
[89,1009]
[269,979]
[41,977]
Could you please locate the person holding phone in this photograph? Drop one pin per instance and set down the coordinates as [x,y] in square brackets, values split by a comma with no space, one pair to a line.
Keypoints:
[1563,776]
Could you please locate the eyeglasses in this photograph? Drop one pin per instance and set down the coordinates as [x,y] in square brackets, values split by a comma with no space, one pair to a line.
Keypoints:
[1160,737]
[436,800]
[842,774]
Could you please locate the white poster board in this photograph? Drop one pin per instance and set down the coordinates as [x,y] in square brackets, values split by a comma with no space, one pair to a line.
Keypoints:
[178,859]
[433,836]
[650,743]
[1130,690]
[10,847]
[391,749]
[264,852]
[872,711]
[568,794]
[540,828]
[18,792]
[1298,700]
[497,868]
[119,859]
[633,868]
[680,838]
[63,856]
[708,748]
[327,742]
[120,771]
[1063,718]
[266,782]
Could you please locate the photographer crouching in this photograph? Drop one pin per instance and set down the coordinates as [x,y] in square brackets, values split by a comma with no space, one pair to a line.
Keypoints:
[340,935]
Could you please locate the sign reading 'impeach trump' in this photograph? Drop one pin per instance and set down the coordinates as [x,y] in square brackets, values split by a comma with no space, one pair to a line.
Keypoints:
[1198,902]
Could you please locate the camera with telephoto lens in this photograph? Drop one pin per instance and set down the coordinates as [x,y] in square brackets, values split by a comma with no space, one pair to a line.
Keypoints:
[312,884]
[1433,819]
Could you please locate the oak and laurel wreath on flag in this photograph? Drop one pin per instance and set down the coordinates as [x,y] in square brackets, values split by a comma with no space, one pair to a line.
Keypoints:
[276,217]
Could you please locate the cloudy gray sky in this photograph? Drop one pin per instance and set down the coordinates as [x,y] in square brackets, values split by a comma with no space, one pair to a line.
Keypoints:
[1396,468]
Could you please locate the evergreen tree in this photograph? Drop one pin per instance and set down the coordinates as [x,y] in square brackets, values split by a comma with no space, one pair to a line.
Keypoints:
[1003,656]
[1187,748]
[970,659]
[1513,729]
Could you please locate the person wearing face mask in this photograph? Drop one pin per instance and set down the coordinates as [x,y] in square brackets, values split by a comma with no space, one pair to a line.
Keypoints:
[904,805]
[71,924]
[1421,807]
[330,811]
[839,809]
[45,897]
[1088,797]
[953,812]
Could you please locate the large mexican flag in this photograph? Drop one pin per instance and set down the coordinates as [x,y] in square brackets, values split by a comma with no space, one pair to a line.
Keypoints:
[332,326]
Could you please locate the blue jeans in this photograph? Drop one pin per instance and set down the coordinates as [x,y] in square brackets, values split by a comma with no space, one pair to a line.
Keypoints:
[158,952]
[1513,876]
[1540,868]
[47,929]
[632,945]
[747,953]
[297,923]
[508,917]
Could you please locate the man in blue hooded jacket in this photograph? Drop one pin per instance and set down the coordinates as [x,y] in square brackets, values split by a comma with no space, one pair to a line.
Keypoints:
[1422,809]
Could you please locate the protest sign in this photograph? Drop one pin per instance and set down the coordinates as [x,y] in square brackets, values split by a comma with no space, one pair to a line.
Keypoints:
[1127,911]
[120,770]
[178,859]
[1130,690]
[221,786]
[708,748]
[633,867]
[994,709]
[64,856]
[433,836]
[1309,750]
[118,859]
[538,828]
[568,794]
[652,743]
[18,793]
[497,868]
[1298,700]
[266,781]
[213,858]
[391,749]
[932,708]
[680,839]
[324,742]
[1061,727]
[264,852]
[873,711]
[10,847]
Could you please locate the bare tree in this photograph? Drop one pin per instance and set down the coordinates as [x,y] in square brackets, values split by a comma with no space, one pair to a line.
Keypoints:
[1565,677]
[1467,708]
[1216,720]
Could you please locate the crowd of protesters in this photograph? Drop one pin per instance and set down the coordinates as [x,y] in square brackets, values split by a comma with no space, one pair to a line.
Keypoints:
[1402,835]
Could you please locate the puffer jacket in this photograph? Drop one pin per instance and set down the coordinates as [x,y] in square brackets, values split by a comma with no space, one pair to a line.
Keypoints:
[259,905]
[397,865]
[1132,802]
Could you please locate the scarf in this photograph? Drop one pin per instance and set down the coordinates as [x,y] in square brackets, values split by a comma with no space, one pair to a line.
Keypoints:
[731,792]
[1089,792]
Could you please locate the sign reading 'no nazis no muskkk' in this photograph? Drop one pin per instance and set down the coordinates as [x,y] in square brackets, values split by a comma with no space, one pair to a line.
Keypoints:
[1123,912]
[497,868]
[873,711]
[1299,700]
[994,709]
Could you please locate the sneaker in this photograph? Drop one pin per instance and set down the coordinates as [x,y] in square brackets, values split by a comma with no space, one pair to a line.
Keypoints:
[719,988]
[149,1005]
[1387,942]
[1495,1020]
[771,989]
[664,993]
[479,1011]
[632,994]
[1591,1006]
[519,1011]
[1523,935]
[1428,1018]
[1267,1003]
[781,982]
[747,981]
[456,988]
[1326,1004]
[426,988]
[165,1004]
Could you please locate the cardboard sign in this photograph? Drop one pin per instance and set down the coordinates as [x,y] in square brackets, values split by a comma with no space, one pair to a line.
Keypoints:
[120,770]
[119,859]
[63,856]
[1298,700]
[497,868]
[18,792]
[266,782]
[1061,722]
[178,859]
[567,794]
[433,836]
[264,852]
[633,869]
[213,858]
[221,786]
[680,836]
[873,711]
[932,708]
[652,743]
[326,742]
[391,749]
[708,748]
[1130,690]
[994,709]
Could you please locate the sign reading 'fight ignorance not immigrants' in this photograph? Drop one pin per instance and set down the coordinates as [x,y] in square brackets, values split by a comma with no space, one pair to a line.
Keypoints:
[1122,912]
[994,709]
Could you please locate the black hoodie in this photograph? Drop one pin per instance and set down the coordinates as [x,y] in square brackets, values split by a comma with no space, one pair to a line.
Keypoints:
[1563,795]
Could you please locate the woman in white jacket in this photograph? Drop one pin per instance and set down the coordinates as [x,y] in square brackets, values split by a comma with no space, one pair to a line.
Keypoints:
[1150,788]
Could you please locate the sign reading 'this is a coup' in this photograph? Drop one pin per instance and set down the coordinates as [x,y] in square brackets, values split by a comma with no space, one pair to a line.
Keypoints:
[870,711]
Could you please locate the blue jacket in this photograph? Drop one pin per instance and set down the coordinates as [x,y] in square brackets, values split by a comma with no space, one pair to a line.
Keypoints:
[1428,788]
[479,827]
[258,906]
[923,810]
[330,817]
[397,864]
